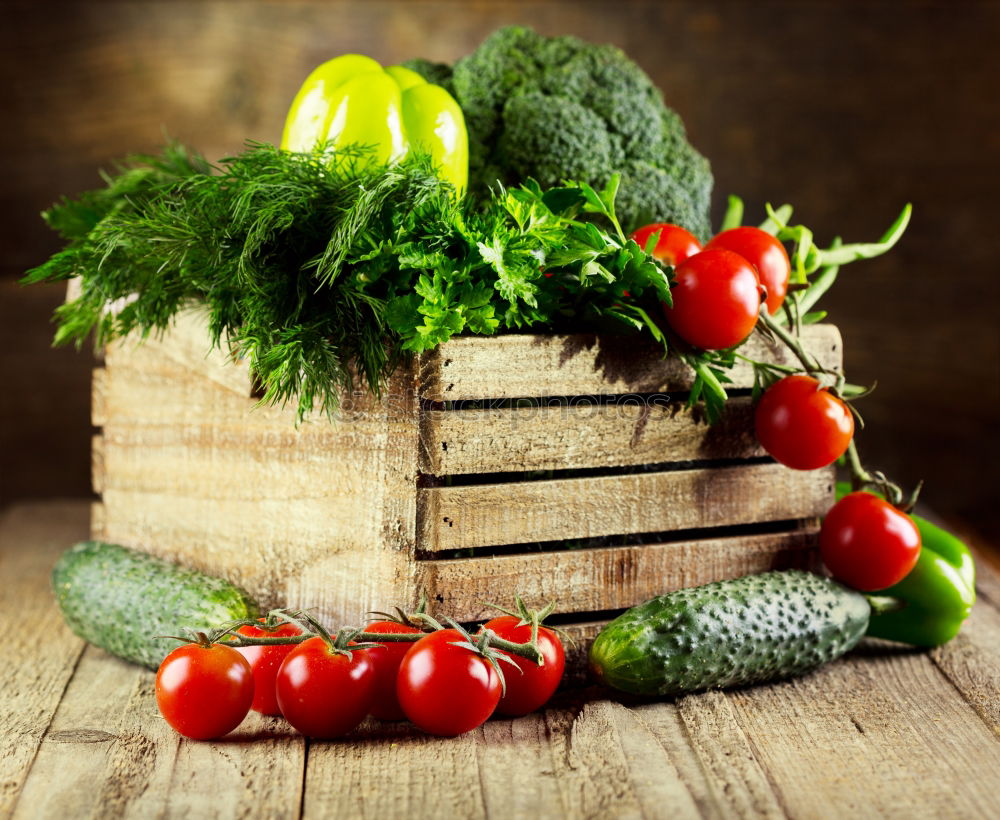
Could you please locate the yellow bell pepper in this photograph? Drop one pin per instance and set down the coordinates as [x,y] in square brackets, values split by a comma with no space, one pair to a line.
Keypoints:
[352,99]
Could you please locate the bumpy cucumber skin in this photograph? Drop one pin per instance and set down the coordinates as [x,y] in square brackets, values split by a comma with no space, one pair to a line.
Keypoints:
[120,600]
[730,633]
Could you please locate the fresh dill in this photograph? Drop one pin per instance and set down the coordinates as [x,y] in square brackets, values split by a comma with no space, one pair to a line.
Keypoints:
[322,276]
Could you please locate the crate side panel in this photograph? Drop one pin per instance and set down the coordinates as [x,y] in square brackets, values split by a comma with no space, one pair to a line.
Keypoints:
[322,515]
[524,365]
[610,578]
[188,344]
[515,513]
[581,435]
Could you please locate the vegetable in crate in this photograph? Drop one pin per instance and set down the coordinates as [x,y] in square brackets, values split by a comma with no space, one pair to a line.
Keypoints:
[730,633]
[352,100]
[122,600]
[557,108]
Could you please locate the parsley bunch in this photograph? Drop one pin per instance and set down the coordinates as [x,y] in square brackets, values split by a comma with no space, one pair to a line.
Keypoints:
[322,275]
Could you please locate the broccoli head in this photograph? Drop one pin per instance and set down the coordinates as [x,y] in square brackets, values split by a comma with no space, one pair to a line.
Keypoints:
[556,108]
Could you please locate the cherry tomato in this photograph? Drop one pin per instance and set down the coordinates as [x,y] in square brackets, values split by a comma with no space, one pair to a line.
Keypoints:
[322,692]
[386,659]
[716,299]
[534,685]
[446,689]
[674,245]
[204,692]
[264,661]
[765,253]
[803,425]
[867,543]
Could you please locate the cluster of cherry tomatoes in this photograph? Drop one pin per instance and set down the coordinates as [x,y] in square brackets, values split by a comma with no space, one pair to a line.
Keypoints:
[442,681]
[718,296]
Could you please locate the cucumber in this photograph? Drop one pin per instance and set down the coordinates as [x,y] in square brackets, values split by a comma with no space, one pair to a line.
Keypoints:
[730,633]
[121,600]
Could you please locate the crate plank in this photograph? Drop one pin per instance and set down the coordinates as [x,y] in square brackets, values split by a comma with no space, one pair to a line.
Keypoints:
[323,514]
[98,393]
[608,578]
[526,365]
[188,345]
[97,471]
[457,442]
[482,515]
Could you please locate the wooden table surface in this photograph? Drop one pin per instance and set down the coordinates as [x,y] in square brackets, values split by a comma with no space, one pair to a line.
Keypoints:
[886,732]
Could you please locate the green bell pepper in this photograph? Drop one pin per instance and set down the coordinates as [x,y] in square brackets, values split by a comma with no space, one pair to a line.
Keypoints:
[352,99]
[937,595]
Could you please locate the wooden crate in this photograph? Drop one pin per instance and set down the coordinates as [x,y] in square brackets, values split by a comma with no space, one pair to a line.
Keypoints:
[599,492]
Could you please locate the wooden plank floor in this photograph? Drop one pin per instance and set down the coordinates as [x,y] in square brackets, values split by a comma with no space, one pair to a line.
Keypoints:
[889,732]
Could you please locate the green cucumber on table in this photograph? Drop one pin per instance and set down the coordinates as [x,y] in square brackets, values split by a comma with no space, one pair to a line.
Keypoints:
[125,601]
[730,633]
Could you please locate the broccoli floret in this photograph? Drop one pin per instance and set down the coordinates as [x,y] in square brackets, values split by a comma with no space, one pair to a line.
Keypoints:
[436,73]
[557,108]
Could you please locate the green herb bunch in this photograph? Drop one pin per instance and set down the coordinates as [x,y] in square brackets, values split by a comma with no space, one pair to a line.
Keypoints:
[321,273]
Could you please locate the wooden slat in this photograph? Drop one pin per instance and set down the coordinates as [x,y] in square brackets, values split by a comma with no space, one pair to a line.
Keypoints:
[98,392]
[188,344]
[519,512]
[971,661]
[525,365]
[736,781]
[97,470]
[97,521]
[459,442]
[881,734]
[609,577]
[109,753]
[40,653]
[86,731]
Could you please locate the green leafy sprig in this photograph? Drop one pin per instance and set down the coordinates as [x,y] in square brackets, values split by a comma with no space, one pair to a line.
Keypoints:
[321,276]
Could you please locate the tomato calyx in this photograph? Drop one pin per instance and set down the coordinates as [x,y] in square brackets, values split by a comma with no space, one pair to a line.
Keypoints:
[534,619]
[486,644]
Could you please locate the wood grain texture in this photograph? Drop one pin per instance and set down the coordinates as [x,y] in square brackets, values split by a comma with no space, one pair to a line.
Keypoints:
[581,435]
[39,653]
[526,365]
[109,753]
[591,580]
[512,513]
[326,514]
[818,737]
[880,733]
[322,514]
[971,661]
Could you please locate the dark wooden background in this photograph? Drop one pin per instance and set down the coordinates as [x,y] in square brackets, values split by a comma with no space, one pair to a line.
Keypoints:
[845,109]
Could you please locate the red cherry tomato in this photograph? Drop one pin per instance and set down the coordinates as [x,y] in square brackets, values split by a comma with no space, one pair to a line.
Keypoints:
[803,425]
[446,689]
[765,253]
[534,685]
[386,660]
[867,543]
[674,245]
[716,299]
[324,693]
[204,692]
[264,661]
